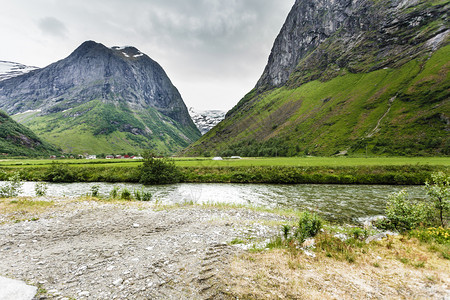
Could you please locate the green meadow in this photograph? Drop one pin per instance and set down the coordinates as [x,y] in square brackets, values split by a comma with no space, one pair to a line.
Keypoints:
[244,162]
[292,170]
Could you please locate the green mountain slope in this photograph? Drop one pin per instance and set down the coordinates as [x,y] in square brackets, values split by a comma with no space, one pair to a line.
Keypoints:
[17,140]
[341,100]
[98,127]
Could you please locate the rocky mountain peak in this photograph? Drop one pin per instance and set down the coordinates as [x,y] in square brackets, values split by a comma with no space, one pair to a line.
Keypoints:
[352,34]
[120,77]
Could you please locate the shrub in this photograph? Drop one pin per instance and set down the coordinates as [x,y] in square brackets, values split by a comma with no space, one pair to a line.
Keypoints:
[439,192]
[309,225]
[41,189]
[404,214]
[146,196]
[59,173]
[12,188]
[159,171]
[439,235]
[125,194]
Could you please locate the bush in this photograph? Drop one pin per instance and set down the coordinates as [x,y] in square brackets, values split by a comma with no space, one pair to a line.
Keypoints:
[12,188]
[159,171]
[125,194]
[309,225]
[41,189]
[59,173]
[404,214]
[146,196]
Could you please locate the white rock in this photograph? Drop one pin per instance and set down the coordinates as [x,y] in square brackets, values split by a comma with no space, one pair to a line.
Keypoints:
[118,281]
[84,294]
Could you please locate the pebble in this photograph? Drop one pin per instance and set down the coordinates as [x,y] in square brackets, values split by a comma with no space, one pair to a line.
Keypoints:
[84,294]
[118,281]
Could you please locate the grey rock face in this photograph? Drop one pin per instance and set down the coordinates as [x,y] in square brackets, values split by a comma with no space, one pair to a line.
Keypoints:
[118,75]
[321,37]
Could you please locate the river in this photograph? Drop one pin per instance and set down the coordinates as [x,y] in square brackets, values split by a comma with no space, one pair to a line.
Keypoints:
[334,202]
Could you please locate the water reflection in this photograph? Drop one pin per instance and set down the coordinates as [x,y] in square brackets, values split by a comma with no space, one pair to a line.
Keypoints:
[335,202]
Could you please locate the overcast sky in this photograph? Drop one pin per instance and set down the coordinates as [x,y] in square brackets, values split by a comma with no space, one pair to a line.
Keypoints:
[214,51]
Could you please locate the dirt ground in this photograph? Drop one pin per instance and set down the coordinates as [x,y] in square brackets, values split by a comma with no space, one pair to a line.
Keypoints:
[99,250]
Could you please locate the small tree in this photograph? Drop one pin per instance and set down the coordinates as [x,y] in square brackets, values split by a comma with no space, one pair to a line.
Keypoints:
[404,214]
[158,170]
[439,192]
[12,188]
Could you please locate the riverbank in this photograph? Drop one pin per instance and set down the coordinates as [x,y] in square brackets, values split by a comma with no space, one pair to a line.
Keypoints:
[390,175]
[87,248]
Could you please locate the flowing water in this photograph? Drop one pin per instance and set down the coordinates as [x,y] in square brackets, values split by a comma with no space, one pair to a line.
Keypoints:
[334,202]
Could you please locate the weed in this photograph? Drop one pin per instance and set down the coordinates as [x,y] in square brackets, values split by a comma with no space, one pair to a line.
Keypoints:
[125,194]
[334,247]
[146,196]
[309,225]
[114,192]
[236,241]
[41,189]
[286,229]
[137,195]
[95,190]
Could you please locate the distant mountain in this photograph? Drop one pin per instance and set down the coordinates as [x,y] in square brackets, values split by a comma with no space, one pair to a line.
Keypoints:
[101,100]
[347,76]
[17,140]
[205,120]
[10,69]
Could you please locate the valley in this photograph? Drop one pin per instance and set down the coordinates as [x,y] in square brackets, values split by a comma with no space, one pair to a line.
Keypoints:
[329,179]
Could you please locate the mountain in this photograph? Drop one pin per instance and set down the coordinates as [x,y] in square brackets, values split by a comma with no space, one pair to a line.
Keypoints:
[347,76]
[101,100]
[10,69]
[17,140]
[205,120]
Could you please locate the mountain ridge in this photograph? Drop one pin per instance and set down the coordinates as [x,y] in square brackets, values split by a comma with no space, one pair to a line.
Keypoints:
[347,77]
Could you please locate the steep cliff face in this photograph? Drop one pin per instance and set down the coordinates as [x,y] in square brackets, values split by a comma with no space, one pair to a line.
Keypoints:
[320,38]
[348,76]
[130,93]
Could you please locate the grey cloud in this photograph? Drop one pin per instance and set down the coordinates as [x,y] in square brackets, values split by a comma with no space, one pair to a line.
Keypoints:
[52,26]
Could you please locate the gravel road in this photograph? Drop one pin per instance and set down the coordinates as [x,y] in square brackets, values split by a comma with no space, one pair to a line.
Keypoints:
[97,250]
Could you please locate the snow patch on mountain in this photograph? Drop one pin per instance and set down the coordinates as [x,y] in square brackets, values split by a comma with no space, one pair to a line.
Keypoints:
[205,120]
[10,69]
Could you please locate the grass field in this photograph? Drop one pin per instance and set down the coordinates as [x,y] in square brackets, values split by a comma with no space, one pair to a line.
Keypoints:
[247,162]
[293,170]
